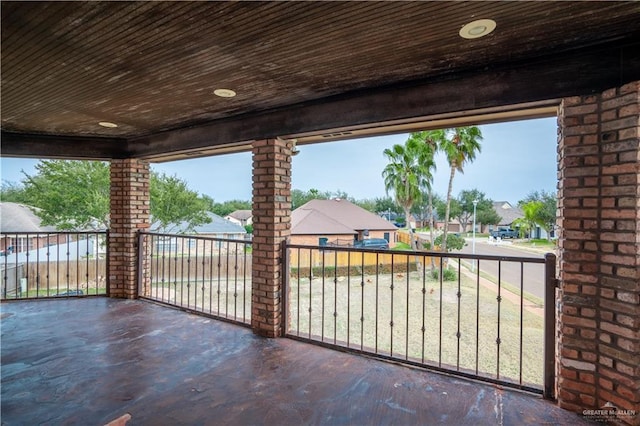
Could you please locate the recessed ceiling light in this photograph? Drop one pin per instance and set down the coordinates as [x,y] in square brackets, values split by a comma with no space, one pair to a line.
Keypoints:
[108,124]
[478,28]
[224,93]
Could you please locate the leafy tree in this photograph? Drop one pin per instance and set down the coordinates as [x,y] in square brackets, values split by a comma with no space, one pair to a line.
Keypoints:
[546,216]
[12,192]
[299,197]
[367,204]
[75,195]
[487,216]
[483,207]
[71,195]
[408,174]
[460,146]
[454,242]
[174,204]
[455,209]
[224,208]
[386,204]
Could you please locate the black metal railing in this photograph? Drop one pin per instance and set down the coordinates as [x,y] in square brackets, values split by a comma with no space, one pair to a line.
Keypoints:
[210,276]
[485,317]
[53,264]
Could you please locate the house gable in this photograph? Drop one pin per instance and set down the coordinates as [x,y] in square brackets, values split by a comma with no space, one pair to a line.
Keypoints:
[507,212]
[327,216]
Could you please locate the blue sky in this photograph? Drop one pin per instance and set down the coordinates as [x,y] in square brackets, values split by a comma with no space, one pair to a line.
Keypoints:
[516,158]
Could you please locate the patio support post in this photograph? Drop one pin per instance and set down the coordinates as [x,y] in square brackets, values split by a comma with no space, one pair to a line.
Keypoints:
[271,226]
[129,214]
[599,218]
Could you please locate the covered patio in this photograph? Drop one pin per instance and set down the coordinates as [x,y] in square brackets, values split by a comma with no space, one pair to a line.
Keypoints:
[91,360]
[131,83]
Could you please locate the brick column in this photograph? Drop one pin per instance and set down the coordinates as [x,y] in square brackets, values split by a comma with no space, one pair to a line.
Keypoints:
[271,226]
[129,213]
[599,202]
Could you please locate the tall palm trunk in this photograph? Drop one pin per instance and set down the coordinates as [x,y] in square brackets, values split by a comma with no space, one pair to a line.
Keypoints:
[448,210]
[432,225]
[414,245]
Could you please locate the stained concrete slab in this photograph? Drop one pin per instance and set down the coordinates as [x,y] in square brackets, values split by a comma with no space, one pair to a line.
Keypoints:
[90,360]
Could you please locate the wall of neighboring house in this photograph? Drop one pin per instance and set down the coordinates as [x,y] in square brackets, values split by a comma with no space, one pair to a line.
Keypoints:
[184,245]
[342,239]
[234,220]
[241,222]
[18,243]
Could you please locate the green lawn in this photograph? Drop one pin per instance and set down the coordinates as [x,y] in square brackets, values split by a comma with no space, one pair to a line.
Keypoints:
[537,243]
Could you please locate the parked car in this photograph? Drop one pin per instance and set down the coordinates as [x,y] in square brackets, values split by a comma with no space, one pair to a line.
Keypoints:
[372,243]
[505,233]
[7,251]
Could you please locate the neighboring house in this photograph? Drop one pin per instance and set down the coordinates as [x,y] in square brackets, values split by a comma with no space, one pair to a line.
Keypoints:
[22,230]
[339,222]
[240,217]
[24,238]
[454,225]
[219,227]
[508,214]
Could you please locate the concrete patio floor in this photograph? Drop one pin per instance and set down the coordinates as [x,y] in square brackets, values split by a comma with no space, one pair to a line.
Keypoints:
[88,361]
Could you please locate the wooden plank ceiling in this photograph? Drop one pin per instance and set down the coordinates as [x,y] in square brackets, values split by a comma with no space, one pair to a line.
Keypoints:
[297,68]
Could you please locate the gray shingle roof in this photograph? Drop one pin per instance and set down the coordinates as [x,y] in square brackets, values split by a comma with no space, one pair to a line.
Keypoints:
[241,214]
[16,217]
[218,225]
[507,212]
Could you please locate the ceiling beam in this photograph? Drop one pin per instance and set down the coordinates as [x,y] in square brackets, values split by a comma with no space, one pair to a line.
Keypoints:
[505,86]
[62,147]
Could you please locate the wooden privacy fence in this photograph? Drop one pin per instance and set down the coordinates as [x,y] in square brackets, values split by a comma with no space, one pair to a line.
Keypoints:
[80,274]
[322,260]
[403,236]
[207,267]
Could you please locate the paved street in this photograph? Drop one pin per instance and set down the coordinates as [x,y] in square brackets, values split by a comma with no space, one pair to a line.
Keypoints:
[510,271]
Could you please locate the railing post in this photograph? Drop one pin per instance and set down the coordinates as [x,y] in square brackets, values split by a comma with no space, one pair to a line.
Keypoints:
[550,284]
[140,263]
[285,287]
[106,263]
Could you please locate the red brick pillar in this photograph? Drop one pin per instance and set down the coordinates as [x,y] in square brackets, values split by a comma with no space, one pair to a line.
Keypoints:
[599,201]
[271,226]
[129,214]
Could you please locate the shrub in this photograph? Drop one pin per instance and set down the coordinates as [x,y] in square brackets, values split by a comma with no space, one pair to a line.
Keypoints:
[454,242]
[447,274]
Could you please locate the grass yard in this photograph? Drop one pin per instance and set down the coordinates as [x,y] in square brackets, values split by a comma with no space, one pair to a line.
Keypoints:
[391,315]
[62,292]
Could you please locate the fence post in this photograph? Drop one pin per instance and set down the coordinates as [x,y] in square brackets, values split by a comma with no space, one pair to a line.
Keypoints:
[106,262]
[550,284]
[285,287]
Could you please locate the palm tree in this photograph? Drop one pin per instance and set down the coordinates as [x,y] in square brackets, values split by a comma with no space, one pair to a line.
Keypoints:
[532,211]
[460,146]
[408,174]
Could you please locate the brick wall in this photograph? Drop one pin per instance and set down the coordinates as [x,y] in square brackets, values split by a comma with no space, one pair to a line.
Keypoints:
[271,226]
[129,213]
[599,202]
